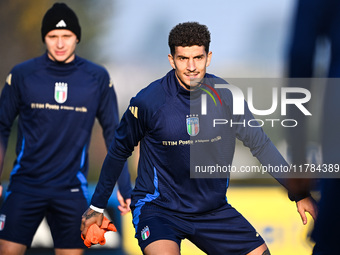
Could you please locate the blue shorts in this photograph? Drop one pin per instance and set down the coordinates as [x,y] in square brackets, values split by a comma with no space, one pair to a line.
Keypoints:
[21,215]
[223,231]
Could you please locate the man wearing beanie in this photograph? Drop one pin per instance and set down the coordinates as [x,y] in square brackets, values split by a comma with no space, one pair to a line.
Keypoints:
[57,97]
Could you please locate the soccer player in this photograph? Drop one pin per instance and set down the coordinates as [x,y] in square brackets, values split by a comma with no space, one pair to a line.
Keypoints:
[167,204]
[57,98]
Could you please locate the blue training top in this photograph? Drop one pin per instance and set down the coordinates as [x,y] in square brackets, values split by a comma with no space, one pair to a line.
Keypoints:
[57,104]
[158,118]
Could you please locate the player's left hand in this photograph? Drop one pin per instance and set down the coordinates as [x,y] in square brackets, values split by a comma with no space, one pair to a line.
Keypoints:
[96,234]
[124,206]
[307,204]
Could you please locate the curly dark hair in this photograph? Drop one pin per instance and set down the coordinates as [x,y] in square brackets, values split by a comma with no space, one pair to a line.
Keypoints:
[189,34]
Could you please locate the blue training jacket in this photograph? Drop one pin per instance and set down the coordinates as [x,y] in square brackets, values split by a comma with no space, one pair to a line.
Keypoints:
[57,105]
[174,138]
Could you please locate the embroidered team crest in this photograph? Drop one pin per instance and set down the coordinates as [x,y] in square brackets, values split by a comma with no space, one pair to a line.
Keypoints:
[145,233]
[60,92]
[2,221]
[193,126]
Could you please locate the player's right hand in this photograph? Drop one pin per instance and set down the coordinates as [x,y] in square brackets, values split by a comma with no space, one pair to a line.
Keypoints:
[124,204]
[90,217]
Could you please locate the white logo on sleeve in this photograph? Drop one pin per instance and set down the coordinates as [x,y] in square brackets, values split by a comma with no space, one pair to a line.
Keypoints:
[9,79]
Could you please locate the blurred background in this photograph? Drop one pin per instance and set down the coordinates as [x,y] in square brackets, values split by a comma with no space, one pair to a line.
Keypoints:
[250,39]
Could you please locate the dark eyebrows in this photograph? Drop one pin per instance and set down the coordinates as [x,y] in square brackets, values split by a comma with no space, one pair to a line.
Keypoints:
[199,56]
[185,57]
[181,56]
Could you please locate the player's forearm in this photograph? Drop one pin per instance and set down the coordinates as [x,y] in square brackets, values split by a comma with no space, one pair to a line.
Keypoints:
[111,170]
[124,182]
[271,156]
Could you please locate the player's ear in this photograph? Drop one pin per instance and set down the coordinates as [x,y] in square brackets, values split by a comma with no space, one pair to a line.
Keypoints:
[208,58]
[171,61]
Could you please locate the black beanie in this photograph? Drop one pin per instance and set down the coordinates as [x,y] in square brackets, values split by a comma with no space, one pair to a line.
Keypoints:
[60,16]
